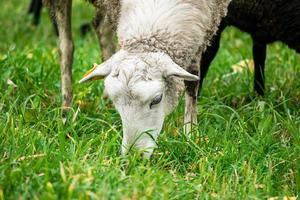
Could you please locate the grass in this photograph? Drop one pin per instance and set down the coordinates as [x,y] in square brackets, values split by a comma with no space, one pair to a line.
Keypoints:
[246,147]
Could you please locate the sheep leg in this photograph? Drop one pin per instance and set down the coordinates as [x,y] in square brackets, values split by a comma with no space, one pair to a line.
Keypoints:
[105,33]
[31,6]
[62,12]
[259,55]
[85,28]
[209,55]
[37,11]
[191,95]
[54,23]
[193,88]
[35,8]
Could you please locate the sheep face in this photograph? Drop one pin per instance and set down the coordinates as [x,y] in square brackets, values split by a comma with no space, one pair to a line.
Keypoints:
[141,107]
[140,88]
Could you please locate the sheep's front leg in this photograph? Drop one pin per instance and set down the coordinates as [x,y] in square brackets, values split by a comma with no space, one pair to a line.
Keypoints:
[191,95]
[106,34]
[259,55]
[35,8]
[210,53]
[62,13]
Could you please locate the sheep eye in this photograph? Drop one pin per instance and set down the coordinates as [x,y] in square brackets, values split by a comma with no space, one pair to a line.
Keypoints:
[156,100]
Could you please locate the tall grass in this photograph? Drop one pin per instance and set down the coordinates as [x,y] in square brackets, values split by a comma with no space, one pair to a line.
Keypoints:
[246,147]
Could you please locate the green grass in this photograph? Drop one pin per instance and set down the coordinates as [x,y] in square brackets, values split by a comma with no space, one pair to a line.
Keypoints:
[246,147]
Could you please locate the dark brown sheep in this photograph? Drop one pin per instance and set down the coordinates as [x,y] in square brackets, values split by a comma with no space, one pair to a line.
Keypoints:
[266,21]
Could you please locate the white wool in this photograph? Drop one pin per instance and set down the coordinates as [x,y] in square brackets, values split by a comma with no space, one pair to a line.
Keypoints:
[185,22]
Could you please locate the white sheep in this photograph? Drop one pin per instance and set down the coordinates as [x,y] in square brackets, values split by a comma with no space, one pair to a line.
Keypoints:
[161,43]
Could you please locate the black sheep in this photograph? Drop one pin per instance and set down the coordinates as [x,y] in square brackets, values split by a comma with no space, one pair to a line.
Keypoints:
[266,21]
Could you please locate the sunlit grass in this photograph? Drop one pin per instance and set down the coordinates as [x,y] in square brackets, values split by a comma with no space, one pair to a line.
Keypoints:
[246,147]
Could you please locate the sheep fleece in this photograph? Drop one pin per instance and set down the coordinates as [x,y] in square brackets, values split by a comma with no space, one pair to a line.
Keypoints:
[199,21]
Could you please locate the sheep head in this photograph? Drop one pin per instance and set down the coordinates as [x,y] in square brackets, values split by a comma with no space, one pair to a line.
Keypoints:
[144,88]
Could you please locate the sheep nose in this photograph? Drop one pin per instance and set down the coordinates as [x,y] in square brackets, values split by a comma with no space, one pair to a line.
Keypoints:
[145,145]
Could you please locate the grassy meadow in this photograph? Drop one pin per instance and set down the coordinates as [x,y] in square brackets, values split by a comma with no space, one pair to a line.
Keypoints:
[246,147]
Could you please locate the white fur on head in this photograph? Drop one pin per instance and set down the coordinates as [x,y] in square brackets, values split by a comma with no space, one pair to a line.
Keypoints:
[133,82]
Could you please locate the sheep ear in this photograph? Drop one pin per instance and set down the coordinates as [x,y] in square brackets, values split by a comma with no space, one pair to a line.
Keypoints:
[97,72]
[103,70]
[175,70]
[170,68]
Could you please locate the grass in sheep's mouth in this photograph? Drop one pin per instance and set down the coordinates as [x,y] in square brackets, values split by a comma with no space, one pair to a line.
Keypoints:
[246,147]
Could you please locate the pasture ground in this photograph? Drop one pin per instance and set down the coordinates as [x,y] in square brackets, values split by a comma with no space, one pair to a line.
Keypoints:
[246,147]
